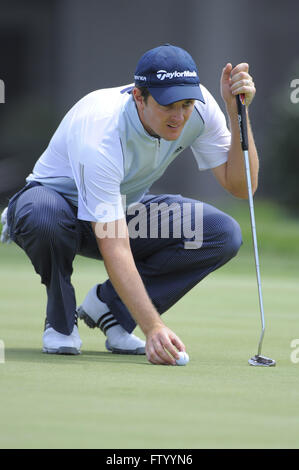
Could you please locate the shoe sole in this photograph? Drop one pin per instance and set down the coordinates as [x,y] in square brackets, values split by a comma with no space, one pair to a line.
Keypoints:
[134,352]
[86,318]
[65,350]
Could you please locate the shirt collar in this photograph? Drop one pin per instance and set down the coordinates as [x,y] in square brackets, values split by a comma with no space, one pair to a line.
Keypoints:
[132,113]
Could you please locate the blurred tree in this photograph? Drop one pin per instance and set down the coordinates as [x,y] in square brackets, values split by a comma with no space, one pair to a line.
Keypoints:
[280,169]
[25,130]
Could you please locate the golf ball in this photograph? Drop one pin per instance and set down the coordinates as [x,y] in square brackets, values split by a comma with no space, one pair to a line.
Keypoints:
[183,360]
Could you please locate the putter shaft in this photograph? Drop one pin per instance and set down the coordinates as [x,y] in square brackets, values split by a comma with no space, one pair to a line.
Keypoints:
[256,255]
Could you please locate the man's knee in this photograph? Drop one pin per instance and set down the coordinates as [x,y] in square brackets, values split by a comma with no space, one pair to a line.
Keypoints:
[232,237]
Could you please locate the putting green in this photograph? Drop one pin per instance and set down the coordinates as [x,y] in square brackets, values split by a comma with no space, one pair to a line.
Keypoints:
[100,400]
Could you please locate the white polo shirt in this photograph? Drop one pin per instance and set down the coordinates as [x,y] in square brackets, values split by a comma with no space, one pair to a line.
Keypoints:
[102,160]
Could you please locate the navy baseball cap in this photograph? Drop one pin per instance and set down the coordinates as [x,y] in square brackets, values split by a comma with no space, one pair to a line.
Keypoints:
[170,74]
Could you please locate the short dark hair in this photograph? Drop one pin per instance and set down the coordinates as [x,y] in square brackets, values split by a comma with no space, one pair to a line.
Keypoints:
[144,92]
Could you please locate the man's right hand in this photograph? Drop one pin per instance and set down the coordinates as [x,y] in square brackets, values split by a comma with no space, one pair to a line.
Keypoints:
[162,346]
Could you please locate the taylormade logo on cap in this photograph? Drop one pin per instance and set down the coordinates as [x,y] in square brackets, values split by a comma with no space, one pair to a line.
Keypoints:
[162,74]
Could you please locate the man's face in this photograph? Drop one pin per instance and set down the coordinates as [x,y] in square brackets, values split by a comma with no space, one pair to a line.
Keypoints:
[166,122]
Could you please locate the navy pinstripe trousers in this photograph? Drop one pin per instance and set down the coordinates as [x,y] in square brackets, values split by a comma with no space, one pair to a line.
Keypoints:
[46,227]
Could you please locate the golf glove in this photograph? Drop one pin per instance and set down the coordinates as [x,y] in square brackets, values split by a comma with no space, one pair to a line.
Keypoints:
[5,232]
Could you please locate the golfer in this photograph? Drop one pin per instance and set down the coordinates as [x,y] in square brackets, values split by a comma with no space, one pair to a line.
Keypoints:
[88,194]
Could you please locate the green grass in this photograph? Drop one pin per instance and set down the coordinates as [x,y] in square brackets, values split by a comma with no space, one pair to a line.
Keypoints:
[277,231]
[100,400]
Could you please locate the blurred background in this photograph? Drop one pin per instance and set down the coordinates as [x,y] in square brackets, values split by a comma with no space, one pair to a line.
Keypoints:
[55,51]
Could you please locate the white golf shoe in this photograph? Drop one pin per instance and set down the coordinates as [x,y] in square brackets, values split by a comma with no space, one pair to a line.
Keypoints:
[57,343]
[95,313]
[121,342]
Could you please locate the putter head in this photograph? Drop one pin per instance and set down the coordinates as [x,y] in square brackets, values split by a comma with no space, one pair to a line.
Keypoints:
[261,361]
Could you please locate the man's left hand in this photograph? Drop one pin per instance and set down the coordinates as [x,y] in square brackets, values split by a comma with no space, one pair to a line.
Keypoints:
[234,81]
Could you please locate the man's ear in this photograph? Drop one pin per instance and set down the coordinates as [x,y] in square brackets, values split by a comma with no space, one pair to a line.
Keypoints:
[139,100]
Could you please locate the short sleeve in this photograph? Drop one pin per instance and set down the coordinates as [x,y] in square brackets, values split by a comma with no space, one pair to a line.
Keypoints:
[211,148]
[96,159]
[98,182]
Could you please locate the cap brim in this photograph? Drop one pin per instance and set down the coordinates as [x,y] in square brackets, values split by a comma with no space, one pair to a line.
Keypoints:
[168,95]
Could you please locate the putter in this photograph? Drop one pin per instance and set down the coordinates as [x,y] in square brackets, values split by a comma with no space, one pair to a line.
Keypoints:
[258,359]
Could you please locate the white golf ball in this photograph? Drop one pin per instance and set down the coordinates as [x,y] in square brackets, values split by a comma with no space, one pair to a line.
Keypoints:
[183,360]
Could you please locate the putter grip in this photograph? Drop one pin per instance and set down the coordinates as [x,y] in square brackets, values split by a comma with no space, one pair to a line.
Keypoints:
[242,122]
